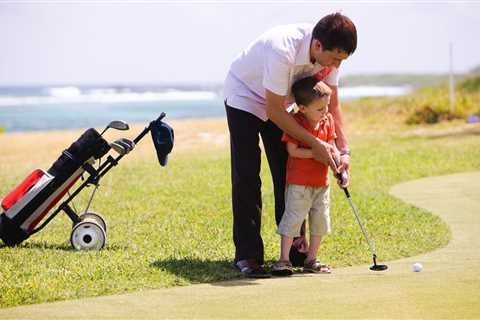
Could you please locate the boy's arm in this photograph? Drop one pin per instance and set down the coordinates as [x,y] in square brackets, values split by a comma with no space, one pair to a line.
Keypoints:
[295,151]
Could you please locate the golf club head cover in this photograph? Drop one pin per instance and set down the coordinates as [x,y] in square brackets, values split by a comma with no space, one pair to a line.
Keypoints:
[162,136]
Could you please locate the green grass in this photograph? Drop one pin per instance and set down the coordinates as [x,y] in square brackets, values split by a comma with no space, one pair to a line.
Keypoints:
[172,226]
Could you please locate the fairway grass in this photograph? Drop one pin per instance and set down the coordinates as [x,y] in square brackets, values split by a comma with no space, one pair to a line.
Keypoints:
[172,226]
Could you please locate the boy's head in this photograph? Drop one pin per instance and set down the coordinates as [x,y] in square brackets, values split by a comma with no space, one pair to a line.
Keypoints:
[334,39]
[312,97]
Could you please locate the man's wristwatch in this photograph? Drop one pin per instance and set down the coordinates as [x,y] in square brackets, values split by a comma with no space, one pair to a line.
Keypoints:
[345,152]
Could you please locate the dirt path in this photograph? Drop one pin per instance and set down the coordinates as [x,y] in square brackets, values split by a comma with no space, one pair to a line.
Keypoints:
[448,287]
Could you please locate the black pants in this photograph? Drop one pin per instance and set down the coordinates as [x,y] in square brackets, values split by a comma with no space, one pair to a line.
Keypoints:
[245,131]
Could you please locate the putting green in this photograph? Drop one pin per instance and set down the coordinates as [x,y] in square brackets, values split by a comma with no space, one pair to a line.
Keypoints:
[448,286]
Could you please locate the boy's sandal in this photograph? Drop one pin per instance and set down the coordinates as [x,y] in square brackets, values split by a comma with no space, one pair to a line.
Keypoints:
[282,268]
[315,266]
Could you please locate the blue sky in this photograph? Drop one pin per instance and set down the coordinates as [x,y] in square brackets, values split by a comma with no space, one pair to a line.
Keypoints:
[127,42]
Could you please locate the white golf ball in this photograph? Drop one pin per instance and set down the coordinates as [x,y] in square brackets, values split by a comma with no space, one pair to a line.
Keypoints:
[417,267]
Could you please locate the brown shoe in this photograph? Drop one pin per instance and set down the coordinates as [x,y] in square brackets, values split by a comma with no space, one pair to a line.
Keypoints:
[251,269]
[314,266]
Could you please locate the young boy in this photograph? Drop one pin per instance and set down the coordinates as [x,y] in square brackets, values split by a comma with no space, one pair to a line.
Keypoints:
[307,191]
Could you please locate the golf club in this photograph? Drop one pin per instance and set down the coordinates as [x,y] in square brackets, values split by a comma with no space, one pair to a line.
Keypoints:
[375,267]
[119,148]
[129,143]
[116,124]
[122,146]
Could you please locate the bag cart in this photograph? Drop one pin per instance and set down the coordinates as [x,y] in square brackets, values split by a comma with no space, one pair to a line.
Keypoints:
[29,203]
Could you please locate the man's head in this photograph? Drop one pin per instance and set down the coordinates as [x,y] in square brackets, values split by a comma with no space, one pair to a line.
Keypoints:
[312,97]
[334,39]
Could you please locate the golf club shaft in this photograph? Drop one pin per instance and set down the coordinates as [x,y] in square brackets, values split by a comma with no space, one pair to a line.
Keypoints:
[355,212]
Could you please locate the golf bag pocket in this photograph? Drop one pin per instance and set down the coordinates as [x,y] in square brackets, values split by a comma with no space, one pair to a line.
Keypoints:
[25,191]
[13,229]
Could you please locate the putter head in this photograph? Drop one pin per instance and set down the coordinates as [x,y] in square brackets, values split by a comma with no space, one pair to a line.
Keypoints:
[379,267]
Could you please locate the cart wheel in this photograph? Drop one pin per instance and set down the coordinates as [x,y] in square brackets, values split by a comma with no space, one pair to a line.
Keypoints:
[88,235]
[95,217]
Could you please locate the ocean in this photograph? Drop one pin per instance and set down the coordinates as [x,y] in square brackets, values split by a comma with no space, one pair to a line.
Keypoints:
[42,108]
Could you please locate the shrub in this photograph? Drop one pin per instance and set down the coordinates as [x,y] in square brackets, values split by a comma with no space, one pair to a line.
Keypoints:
[432,105]
[428,115]
[471,84]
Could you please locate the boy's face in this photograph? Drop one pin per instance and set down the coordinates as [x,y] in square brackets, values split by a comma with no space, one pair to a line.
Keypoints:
[317,109]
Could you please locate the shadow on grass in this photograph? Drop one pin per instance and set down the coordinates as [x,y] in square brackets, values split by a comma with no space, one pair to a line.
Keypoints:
[57,246]
[215,272]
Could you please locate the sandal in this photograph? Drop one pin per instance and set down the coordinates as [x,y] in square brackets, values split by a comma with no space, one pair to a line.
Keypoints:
[282,268]
[315,266]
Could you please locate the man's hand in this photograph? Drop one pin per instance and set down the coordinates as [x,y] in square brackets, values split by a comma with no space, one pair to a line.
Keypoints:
[344,163]
[323,152]
[341,168]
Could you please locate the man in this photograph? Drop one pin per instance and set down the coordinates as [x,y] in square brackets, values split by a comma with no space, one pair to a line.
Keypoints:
[257,92]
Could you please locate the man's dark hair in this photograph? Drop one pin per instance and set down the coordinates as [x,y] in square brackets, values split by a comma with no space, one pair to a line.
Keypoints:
[336,31]
[304,92]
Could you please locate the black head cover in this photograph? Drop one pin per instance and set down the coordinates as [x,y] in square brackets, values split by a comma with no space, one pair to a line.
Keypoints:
[162,136]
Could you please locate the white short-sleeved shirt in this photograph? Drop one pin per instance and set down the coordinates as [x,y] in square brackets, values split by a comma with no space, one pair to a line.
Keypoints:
[274,62]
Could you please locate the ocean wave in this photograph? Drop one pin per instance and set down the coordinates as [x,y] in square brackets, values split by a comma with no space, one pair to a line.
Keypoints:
[348,93]
[74,95]
[66,95]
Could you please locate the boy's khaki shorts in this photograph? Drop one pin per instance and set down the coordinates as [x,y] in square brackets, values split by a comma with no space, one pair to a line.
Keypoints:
[301,201]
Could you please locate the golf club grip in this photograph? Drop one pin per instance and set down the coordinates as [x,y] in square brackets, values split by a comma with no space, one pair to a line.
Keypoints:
[147,129]
[162,115]
[338,175]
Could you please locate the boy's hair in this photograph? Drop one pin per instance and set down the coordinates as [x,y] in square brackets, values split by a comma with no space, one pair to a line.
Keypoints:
[336,31]
[304,92]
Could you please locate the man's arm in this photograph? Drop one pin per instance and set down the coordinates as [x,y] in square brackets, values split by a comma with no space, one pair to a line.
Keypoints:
[341,141]
[335,110]
[277,113]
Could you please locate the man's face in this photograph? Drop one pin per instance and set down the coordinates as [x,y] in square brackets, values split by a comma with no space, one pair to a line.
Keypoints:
[327,58]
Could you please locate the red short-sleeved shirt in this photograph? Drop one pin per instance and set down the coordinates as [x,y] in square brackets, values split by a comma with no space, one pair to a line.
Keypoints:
[309,172]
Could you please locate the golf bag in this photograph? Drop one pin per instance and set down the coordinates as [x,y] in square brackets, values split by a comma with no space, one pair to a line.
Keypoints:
[27,205]
[30,201]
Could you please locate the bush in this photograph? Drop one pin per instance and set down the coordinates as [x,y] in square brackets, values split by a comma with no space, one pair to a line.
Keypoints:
[471,84]
[2,130]
[432,105]
[430,116]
